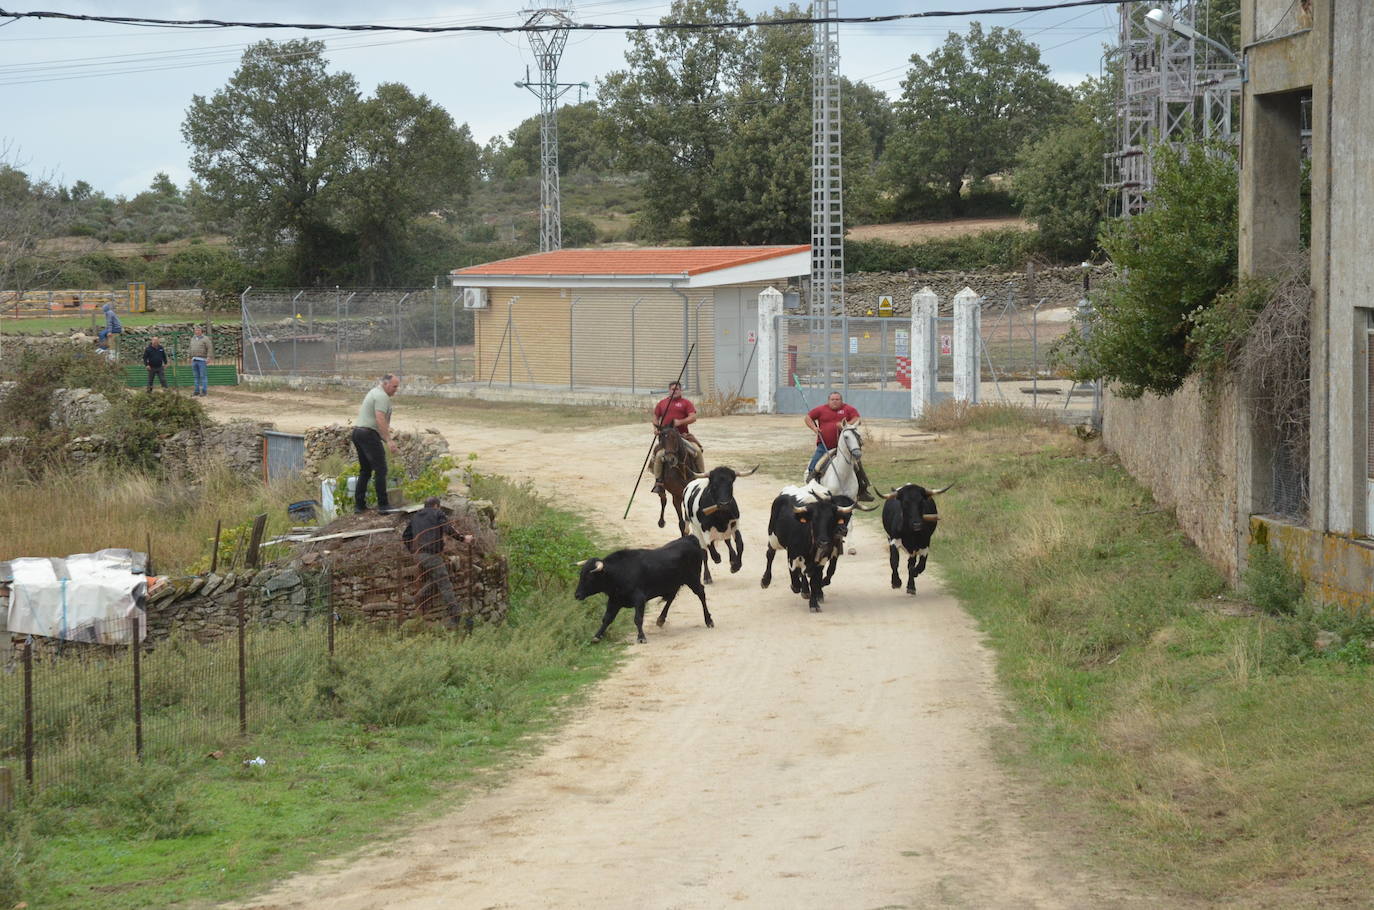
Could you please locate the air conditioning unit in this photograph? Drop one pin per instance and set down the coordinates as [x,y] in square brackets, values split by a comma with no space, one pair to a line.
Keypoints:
[474,298]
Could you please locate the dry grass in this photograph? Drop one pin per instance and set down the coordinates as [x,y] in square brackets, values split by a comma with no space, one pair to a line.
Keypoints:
[85,510]
[721,404]
[921,231]
[950,415]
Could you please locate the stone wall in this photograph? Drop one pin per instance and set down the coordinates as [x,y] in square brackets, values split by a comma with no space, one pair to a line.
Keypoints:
[236,445]
[1185,449]
[1061,286]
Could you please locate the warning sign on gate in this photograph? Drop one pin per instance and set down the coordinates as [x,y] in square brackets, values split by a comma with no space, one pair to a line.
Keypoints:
[751,338]
[903,340]
[945,346]
[885,305]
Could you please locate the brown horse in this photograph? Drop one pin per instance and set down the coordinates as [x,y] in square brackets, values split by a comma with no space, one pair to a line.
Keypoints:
[677,473]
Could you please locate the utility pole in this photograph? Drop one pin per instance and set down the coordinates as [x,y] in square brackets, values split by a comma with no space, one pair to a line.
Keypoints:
[547,40]
[827,177]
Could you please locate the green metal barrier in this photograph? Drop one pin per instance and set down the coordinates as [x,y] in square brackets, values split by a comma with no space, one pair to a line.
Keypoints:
[180,376]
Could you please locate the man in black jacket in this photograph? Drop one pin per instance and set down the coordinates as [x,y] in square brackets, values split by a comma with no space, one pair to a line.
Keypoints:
[155,359]
[424,536]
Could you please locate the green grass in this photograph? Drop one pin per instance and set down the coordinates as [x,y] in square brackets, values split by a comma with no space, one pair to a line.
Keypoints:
[94,321]
[402,724]
[1203,746]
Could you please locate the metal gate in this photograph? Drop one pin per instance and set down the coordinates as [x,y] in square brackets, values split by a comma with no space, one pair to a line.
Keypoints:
[866,359]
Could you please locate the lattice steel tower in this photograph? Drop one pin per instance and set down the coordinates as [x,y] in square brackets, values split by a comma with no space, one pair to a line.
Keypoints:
[827,170]
[1171,88]
[547,44]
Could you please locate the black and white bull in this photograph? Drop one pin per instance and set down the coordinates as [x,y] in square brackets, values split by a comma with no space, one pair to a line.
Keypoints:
[812,491]
[810,533]
[909,518]
[713,514]
[632,578]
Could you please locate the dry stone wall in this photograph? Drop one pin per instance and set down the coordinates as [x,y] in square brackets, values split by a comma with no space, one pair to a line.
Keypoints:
[1061,286]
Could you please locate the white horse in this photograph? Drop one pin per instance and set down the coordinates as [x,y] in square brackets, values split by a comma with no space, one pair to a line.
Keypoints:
[840,474]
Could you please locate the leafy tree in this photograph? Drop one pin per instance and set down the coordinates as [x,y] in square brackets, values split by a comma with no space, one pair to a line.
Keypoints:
[967,109]
[267,148]
[670,104]
[870,108]
[1059,180]
[29,212]
[720,123]
[585,143]
[1173,260]
[406,158]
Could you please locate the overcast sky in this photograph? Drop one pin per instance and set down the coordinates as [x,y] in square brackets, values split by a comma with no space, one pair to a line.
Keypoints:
[104,103]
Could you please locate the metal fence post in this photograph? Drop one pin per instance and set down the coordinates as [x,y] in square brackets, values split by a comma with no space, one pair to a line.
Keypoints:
[28,710]
[243,665]
[472,602]
[333,617]
[633,307]
[138,693]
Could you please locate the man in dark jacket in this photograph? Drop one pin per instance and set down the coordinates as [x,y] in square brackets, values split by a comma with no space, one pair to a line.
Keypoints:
[424,536]
[155,359]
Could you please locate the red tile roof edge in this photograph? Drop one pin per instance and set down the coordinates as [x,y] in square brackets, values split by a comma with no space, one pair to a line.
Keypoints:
[762,254]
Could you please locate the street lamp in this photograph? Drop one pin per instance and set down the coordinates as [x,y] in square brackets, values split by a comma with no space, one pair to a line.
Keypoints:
[1161,21]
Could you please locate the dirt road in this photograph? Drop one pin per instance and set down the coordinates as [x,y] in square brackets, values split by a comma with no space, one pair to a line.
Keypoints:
[782,759]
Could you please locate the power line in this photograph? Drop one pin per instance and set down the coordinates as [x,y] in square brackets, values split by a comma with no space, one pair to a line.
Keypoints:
[580,26]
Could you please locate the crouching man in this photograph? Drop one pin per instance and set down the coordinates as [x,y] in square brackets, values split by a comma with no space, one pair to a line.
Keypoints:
[424,536]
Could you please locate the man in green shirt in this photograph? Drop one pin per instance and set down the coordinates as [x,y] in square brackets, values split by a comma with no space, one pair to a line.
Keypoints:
[371,431]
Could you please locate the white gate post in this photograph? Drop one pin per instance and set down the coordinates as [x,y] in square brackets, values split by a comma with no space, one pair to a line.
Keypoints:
[770,307]
[925,306]
[967,341]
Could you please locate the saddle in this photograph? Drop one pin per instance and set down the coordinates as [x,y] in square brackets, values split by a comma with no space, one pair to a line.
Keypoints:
[824,462]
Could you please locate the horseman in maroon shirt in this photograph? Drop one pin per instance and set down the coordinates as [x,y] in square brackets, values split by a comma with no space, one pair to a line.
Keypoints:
[675,411]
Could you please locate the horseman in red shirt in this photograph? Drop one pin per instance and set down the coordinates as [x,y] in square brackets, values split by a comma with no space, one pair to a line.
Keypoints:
[679,413]
[825,421]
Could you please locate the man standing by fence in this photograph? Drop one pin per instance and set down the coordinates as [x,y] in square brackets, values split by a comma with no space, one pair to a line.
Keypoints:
[424,536]
[155,359]
[200,351]
[371,432]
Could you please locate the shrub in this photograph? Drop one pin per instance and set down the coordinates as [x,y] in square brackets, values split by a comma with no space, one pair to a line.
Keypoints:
[1173,260]
[38,373]
[1270,584]
[137,423]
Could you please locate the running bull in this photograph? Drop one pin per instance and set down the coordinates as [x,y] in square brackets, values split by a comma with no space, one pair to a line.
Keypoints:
[631,578]
[909,518]
[812,533]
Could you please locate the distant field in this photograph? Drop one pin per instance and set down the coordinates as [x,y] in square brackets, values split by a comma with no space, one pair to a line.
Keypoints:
[921,231]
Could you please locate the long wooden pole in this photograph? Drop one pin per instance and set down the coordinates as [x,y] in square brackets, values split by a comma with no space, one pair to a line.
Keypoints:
[640,476]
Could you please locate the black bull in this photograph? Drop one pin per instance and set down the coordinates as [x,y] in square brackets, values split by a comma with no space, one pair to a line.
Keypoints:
[910,518]
[812,534]
[631,578]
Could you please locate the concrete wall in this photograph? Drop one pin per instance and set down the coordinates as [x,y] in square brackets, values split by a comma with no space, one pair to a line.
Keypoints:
[1184,449]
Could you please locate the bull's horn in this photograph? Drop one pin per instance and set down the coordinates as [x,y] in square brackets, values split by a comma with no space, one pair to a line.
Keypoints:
[888,495]
[583,562]
[930,518]
[697,476]
[938,492]
[710,510]
[748,472]
[845,509]
[862,509]
[799,510]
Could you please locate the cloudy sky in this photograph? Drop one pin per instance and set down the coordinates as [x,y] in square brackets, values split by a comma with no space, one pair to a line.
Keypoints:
[104,103]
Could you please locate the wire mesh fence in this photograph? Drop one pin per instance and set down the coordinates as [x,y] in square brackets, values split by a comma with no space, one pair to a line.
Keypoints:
[357,333]
[67,709]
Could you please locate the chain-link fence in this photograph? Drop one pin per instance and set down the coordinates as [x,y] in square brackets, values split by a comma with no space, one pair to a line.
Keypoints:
[357,333]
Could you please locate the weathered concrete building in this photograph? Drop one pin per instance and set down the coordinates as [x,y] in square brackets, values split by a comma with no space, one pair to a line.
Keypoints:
[624,319]
[1223,481]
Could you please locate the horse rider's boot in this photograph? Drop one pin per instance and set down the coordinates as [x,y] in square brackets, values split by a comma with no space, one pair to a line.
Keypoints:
[864,495]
